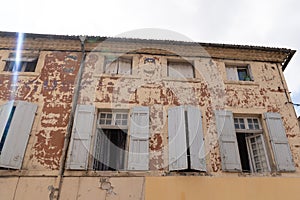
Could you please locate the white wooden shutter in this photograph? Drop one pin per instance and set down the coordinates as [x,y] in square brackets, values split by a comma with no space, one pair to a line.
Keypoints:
[181,70]
[228,143]
[81,137]
[17,137]
[280,145]
[138,158]
[177,139]
[231,73]
[124,66]
[195,138]
[4,115]
[111,66]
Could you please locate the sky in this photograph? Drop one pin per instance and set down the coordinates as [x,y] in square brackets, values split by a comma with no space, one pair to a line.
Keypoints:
[272,23]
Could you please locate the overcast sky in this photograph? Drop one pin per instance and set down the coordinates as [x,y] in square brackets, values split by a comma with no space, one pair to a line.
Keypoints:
[274,23]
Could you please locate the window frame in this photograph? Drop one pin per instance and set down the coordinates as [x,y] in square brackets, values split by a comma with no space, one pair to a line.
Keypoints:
[111,126]
[255,132]
[181,61]
[109,60]
[234,68]
[25,60]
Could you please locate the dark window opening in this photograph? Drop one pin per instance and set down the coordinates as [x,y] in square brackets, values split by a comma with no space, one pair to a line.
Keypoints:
[242,144]
[110,149]
[22,66]
[4,135]
[243,74]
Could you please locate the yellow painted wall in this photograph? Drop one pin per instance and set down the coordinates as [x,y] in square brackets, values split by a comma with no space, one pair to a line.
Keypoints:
[222,188]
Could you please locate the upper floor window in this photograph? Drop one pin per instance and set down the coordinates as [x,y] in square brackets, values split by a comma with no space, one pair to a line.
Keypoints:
[238,73]
[27,63]
[120,65]
[242,144]
[117,144]
[251,145]
[111,140]
[180,69]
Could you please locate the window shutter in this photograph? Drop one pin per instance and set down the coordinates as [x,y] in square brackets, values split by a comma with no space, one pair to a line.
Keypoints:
[18,134]
[280,145]
[228,144]
[195,137]
[111,67]
[138,158]
[231,73]
[177,138]
[124,66]
[81,137]
[4,115]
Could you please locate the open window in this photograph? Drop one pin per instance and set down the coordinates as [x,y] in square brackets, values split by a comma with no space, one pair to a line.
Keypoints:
[111,140]
[121,139]
[118,65]
[251,145]
[26,63]
[239,73]
[242,144]
[16,119]
[186,144]
[180,69]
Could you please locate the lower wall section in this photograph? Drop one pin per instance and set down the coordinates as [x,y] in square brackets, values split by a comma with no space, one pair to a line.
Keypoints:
[151,188]
[258,188]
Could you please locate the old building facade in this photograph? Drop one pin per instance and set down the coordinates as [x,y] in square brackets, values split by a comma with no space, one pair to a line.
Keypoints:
[114,118]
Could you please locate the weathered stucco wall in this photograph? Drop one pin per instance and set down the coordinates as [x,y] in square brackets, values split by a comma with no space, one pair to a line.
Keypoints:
[51,88]
[149,85]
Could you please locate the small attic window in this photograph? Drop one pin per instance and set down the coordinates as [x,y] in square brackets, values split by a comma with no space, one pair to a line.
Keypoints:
[238,73]
[27,63]
[180,69]
[120,65]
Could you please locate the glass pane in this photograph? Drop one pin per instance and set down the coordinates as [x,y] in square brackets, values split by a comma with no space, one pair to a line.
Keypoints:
[118,116]
[242,74]
[124,122]
[102,121]
[108,122]
[102,115]
[109,116]
[125,116]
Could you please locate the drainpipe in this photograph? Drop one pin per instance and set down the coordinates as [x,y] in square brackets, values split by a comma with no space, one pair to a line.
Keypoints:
[70,124]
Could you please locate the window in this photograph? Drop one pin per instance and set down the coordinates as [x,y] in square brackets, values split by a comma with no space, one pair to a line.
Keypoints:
[16,119]
[238,73]
[111,139]
[27,63]
[116,145]
[120,65]
[186,145]
[242,146]
[251,145]
[180,69]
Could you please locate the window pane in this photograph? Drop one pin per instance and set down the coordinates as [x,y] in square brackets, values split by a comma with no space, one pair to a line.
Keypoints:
[242,74]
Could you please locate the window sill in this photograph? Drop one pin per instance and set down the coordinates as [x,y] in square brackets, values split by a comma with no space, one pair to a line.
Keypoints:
[119,76]
[31,74]
[241,83]
[194,80]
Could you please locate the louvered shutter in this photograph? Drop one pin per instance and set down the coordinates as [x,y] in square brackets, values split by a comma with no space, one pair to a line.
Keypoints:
[177,138]
[17,137]
[4,115]
[228,143]
[81,137]
[279,142]
[138,158]
[195,138]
